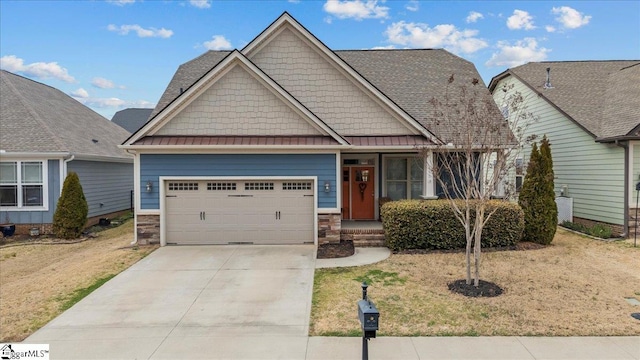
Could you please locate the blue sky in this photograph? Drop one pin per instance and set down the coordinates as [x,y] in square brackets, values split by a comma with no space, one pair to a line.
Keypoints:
[116,54]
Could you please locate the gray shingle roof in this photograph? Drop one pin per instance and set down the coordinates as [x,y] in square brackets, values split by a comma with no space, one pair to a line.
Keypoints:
[35,117]
[601,96]
[186,75]
[410,78]
[131,119]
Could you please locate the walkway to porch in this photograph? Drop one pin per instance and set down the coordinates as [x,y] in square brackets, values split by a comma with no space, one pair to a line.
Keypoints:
[362,233]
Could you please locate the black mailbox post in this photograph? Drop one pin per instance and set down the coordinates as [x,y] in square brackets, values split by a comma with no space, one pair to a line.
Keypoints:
[369,316]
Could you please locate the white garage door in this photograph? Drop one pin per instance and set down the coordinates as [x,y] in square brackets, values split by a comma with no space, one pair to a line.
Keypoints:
[232,212]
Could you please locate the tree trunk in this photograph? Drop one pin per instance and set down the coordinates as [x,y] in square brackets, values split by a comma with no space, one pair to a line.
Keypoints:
[467,229]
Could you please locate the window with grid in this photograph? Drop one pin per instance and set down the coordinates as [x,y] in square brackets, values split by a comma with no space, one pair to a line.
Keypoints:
[519,173]
[183,186]
[22,184]
[296,185]
[404,177]
[258,186]
[221,186]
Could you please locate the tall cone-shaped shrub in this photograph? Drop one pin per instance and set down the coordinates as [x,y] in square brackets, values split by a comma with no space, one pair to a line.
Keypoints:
[537,197]
[72,209]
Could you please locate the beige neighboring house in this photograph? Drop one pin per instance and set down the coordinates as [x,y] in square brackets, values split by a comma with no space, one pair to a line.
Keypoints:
[590,111]
[282,141]
[44,135]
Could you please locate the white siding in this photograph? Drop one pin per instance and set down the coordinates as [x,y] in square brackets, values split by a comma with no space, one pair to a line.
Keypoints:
[238,104]
[324,89]
[593,172]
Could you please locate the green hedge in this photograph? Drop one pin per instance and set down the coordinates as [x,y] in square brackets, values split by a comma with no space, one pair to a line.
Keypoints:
[431,224]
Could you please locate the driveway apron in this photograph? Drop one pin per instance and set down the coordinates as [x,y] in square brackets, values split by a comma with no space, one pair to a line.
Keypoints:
[210,302]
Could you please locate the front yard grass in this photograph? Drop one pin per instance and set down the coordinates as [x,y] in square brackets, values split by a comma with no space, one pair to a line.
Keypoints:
[38,282]
[574,287]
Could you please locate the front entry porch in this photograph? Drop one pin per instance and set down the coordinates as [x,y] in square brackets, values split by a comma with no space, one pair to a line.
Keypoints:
[363,233]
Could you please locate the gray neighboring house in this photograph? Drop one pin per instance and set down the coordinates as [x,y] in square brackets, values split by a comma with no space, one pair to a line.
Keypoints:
[44,135]
[131,119]
[590,110]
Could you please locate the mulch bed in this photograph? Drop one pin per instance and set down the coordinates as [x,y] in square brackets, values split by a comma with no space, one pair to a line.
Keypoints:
[339,250]
[484,289]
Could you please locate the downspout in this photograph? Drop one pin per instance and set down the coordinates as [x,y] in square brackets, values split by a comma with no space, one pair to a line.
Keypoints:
[135,217]
[64,167]
[625,146]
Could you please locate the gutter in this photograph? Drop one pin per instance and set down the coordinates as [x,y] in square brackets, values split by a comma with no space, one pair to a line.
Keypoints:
[625,146]
[64,166]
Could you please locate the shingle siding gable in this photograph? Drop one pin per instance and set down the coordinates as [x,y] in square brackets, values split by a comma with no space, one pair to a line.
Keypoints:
[237,104]
[324,89]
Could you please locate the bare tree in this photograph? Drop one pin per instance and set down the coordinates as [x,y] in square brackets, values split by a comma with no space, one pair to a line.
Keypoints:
[476,161]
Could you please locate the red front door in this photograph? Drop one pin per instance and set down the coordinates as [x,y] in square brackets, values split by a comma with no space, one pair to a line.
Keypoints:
[362,193]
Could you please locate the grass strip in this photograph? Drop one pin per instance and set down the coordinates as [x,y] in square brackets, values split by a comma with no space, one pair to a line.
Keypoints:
[81,293]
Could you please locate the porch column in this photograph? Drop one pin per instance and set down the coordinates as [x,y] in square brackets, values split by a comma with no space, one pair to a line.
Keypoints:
[429,187]
[499,191]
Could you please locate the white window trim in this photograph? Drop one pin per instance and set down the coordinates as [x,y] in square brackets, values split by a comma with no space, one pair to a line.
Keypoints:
[45,187]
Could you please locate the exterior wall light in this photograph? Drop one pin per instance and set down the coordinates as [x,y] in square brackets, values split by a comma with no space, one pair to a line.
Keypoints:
[327,186]
[149,186]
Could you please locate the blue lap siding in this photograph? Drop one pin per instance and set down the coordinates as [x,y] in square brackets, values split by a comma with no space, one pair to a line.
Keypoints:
[153,166]
[106,185]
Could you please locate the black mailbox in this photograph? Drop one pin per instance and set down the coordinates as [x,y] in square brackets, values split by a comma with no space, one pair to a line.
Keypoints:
[369,315]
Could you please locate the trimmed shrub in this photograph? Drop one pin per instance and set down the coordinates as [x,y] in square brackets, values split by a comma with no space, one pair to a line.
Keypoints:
[72,209]
[537,197]
[431,224]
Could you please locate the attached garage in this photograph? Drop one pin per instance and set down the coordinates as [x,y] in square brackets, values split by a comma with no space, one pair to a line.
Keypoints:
[231,211]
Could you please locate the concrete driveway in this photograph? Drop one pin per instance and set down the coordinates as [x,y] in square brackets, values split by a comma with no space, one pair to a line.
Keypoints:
[213,302]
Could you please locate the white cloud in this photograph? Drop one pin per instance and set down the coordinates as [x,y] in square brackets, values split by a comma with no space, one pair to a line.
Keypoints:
[113,102]
[294,1]
[80,93]
[40,70]
[520,20]
[440,36]
[140,31]
[121,2]
[102,102]
[523,51]
[570,18]
[201,4]
[356,9]
[218,42]
[413,5]
[550,28]
[102,83]
[388,47]
[474,16]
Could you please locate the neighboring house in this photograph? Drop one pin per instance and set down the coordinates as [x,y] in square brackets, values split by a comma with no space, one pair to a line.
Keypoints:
[590,111]
[44,134]
[131,119]
[282,140]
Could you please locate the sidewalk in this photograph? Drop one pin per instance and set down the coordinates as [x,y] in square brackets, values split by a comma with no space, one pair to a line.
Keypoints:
[475,348]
